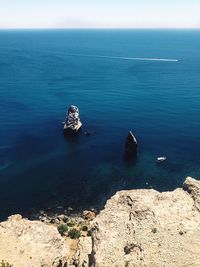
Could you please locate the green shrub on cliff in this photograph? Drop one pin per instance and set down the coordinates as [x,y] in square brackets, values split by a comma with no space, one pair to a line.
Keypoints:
[84,228]
[5,264]
[62,229]
[74,233]
[71,223]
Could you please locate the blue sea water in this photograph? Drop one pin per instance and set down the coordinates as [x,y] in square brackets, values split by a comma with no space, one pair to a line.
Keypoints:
[43,72]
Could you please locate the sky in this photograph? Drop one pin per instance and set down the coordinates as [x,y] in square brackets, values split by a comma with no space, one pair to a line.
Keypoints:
[99,14]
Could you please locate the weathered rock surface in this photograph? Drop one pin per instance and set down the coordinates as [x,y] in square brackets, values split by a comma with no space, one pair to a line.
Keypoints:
[83,255]
[130,146]
[25,243]
[72,122]
[192,187]
[137,228]
[148,228]
[89,215]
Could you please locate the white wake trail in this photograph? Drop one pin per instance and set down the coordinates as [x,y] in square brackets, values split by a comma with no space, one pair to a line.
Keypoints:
[127,58]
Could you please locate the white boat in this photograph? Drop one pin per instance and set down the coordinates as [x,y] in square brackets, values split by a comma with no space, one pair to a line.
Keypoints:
[161,159]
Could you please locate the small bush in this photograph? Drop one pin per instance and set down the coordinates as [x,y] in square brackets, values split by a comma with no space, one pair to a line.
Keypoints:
[62,229]
[154,230]
[84,228]
[74,233]
[5,264]
[71,223]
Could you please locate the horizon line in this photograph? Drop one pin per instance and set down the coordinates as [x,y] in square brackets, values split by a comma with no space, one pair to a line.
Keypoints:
[100,28]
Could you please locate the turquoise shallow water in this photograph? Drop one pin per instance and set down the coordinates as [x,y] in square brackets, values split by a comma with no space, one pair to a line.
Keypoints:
[43,72]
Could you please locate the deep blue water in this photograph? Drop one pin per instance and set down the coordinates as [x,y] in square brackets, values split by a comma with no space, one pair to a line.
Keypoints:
[41,74]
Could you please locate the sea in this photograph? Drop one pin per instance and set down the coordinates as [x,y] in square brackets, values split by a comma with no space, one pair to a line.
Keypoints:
[146,81]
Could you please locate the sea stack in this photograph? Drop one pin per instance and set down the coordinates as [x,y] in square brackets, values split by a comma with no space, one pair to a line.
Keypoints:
[130,146]
[72,122]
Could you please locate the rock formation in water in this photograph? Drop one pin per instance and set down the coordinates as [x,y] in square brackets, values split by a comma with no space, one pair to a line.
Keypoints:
[137,228]
[72,122]
[130,146]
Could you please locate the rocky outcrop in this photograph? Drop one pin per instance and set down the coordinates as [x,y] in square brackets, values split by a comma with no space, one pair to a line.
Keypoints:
[130,146]
[137,228]
[192,187]
[89,215]
[148,228]
[72,123]
[25,243]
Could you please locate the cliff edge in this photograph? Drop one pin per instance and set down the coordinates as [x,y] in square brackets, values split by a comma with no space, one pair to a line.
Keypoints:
[148,228]
[136,228]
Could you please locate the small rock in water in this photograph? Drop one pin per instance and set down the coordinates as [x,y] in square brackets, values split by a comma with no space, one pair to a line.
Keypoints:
[42,212]
[87,133]
[130,146]
[59,207]
[70,209]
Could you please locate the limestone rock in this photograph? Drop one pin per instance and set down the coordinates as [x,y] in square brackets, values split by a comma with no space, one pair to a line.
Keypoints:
[83,255]
[25,243]
[72,122]
[149,229]
[89,215]
[192,186]
[130,146]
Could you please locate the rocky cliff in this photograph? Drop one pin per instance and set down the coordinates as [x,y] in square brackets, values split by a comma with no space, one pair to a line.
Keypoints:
[148,228]
[136,228]
[25,243]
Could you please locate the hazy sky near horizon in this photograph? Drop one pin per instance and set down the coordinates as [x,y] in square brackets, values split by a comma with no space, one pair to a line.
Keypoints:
[99,14]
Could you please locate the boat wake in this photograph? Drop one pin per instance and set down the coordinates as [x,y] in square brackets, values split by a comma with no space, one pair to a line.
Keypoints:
[126,58]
